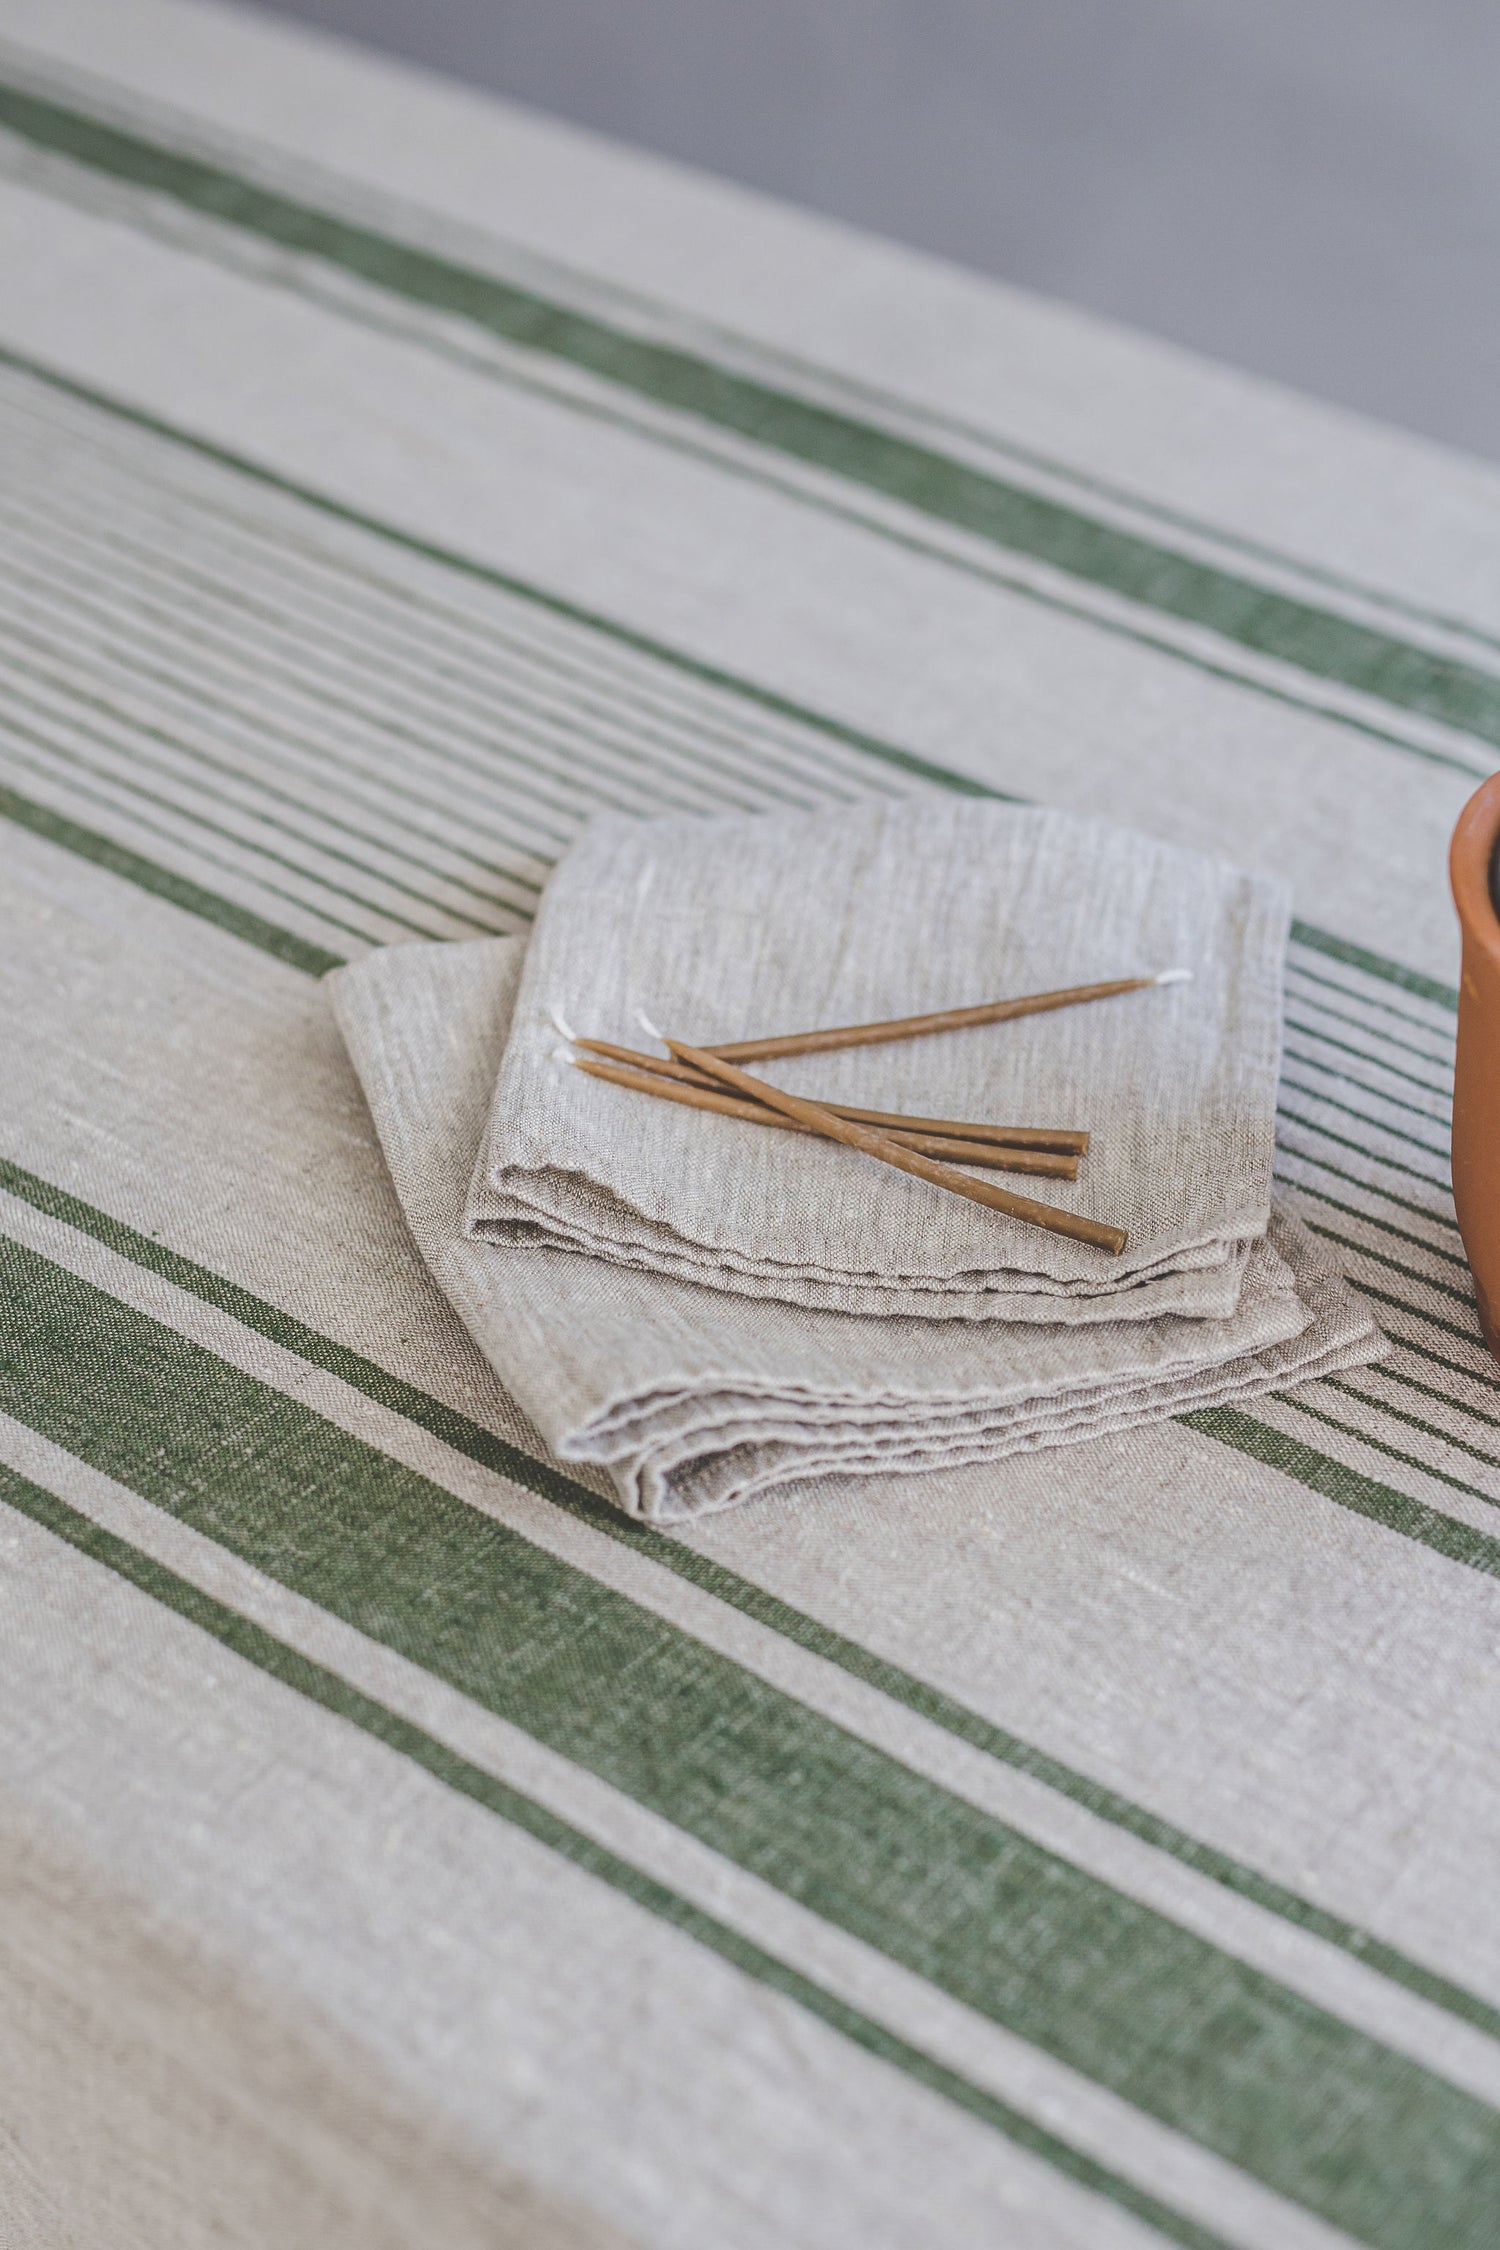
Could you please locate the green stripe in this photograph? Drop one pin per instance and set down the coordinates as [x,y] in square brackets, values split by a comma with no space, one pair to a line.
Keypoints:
[1315,641]
[320,1686]
[1369,1187]
[54,755]
[1470,1336]
[1376,965]
[64,688]
[1443,1398]
[1393,1101]
[1030,457]
[1399,1234]
[304,832]
[1362,1148]
[1446,1032]
[579,285]
[203,857]
[1426,1428]
[1443,1063]
[674,438]
[282,622]
[163,882]
[482,1445]
[556,605]
[296,277]
[1436,1115]
[377,717]
[545,682]
[904,761]
[1483,1379]
[1396,1265]
[440,641]
[1445,1535]
[1393,1452]
[1402,1266]
[1376,1062]
[1213,2048]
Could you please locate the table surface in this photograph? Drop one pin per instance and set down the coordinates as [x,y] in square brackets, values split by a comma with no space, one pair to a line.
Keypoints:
[399,1847]
[1313,193]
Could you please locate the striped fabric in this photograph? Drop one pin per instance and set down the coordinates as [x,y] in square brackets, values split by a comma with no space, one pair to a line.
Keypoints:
[398,1846]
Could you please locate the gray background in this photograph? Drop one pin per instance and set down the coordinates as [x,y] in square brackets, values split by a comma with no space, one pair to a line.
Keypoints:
[1309,188]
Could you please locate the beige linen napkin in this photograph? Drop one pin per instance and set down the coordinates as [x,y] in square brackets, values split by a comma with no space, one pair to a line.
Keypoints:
[726,929]
[693,1399]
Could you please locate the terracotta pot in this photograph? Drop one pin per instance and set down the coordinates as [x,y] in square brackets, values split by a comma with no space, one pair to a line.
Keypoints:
[1476,1089]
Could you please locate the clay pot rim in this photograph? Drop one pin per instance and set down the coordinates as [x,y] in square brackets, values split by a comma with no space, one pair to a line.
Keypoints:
[1470,863]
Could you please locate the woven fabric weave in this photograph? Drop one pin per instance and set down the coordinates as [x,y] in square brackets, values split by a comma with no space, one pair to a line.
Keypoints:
[693,1399]
[401,1844]
[732,929]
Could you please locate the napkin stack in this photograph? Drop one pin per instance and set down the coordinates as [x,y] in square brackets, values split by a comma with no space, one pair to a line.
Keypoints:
[709,1309]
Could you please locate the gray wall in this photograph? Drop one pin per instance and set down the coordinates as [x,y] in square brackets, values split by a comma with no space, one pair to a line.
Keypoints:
[1309,188]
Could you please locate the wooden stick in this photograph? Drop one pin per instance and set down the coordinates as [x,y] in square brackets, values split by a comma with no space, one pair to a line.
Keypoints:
[950,1019]
[873,1143]
[1062,1140]
[700,1095]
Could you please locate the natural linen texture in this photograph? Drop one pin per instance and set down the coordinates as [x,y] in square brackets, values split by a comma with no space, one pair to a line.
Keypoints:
[727,929]
[401,1848]
[692,1399]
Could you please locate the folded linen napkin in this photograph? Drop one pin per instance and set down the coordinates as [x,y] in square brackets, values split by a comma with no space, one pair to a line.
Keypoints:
[693,1399]
[726,929]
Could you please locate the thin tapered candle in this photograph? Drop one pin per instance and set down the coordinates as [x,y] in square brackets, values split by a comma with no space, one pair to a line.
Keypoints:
[873,1143]
[700,1094]
[1060,1140]
[948,1019]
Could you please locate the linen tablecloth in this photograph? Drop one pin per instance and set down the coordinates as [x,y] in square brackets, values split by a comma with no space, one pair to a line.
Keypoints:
[397,1847]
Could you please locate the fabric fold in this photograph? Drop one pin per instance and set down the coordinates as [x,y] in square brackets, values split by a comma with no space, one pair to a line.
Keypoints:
[692,1398]
[728,928]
